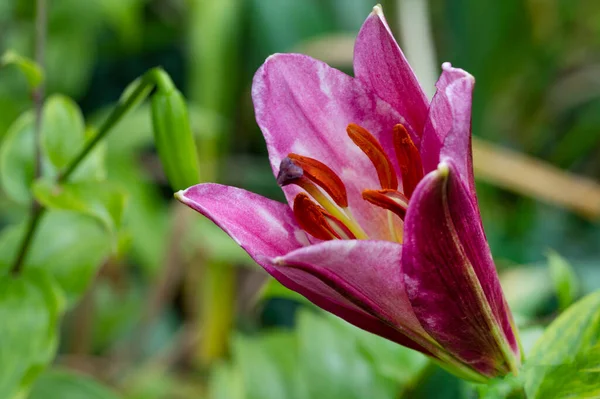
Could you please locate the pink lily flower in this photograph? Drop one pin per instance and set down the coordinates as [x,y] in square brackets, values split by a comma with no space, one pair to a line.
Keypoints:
[382,227]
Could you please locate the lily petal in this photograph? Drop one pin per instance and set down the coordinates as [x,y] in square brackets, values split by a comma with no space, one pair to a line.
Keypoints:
[447,132]
[263,227]
[450,275]
[368,274]
[266,230]
[380,65]
[303,106]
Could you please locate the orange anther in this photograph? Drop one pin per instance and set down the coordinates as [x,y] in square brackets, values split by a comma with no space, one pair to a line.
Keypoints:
[392,200]
[296,167]
[409,159]
[372,148]
[313,219]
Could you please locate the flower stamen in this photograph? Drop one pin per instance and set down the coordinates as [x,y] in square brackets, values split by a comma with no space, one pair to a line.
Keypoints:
[391,200]
[295,166]
[317,222]
[373,149]
[409,159]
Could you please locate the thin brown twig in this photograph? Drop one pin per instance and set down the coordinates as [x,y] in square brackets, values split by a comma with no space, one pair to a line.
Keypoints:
[38,101]
[38,93]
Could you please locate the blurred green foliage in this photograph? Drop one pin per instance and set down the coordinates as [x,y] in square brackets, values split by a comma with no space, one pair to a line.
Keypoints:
[127,268]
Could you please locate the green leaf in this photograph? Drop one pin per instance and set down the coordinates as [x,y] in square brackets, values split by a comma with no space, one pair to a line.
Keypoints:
[93,167]
[101,200]
[17,159]
[68,245]
[324,357]
[391,360]
[268,366]
[225,383]
[578,379]
[565,345]
[31,306]
[502,388]
[56,384]
[329,353]
[564,278]
[63,130]
[32,71]
[62,136]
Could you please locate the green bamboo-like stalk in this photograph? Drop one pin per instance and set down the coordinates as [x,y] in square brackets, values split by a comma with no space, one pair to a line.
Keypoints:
[214,84]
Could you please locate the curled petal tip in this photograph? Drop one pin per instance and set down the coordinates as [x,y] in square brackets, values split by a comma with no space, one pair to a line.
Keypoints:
[443,169]
[179,195]
[460,73]
[272,57]
[378,10]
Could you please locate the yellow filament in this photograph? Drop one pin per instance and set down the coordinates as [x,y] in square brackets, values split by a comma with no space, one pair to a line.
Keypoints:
[332,208]
[393,231]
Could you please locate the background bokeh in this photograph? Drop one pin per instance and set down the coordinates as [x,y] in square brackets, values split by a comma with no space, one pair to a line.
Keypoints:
[176,310]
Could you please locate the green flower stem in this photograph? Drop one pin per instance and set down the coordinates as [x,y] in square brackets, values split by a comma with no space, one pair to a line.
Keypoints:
[148,80]
[34,219]
[154,77]
[216,310]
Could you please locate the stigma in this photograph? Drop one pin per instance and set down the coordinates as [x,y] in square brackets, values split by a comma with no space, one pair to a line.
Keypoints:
[322,210]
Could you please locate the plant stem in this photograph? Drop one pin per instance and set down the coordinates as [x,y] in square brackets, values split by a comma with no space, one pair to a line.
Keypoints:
[34,219]
[38,101]
[114,117]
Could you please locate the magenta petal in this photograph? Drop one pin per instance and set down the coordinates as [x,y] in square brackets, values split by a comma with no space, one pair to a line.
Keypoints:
[266,230]
[380,65]
[263,227]
[368,274]
[447,132]
[303,106]
[450,275]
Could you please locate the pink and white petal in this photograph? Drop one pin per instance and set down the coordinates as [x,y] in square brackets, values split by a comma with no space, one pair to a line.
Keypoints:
[367,273]
[450,276]
[380,65]
[262,227]
[447,132]
[303,106]
[266,230]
